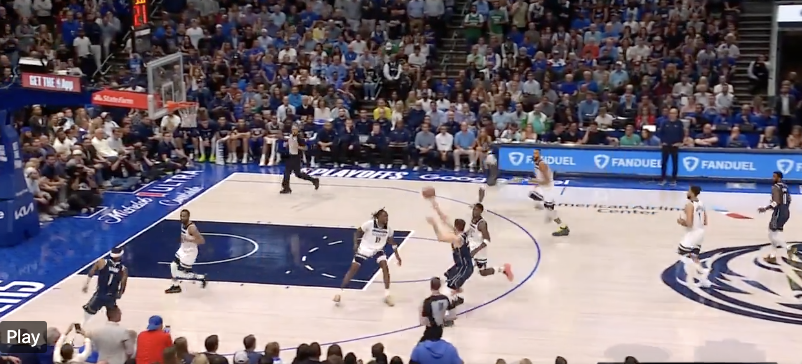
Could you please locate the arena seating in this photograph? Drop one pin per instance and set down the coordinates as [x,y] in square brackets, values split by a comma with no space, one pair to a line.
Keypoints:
[382,77]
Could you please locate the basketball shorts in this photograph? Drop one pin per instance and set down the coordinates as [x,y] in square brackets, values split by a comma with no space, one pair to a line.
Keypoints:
[185,260]
[364,253]
[457,275]
[543,195]
[481,256]
[779,216]
[691,243]
[97,302]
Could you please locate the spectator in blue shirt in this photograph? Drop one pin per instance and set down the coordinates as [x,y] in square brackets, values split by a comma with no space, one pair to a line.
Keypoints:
[589,108]
[464,143]
[399,143]
[435,352]
[672,134]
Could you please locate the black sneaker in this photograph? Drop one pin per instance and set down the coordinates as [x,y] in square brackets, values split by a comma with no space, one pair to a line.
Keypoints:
[448,323]
[316,183]
[458,301]
[173,289]
[204,281]
[561,232]
[285,191]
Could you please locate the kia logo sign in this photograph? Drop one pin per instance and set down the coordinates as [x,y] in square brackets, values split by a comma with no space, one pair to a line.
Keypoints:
[46,82]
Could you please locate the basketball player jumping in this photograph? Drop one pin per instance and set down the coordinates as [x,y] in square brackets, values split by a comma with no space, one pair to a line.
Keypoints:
[112,278]
[542,194]
[181,267]
[781,212]
[458,274]
[479,239]
[694,219]
[369,242]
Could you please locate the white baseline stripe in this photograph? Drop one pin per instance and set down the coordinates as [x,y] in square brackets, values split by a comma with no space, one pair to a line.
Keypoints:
[388,261]
[120,245]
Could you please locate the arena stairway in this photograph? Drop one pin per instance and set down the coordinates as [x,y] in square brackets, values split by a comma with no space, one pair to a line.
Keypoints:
[119,57]
[455,48]
[754,38]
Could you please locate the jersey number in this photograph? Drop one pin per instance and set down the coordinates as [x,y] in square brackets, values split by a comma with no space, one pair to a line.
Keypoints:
[439,312]
[378,240]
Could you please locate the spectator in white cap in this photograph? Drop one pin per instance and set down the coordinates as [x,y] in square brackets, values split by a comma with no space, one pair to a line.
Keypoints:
[241,357]
[43,199]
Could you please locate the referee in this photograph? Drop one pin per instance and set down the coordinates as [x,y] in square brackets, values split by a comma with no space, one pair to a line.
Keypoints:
[431,348]
[296,144]
[434,314]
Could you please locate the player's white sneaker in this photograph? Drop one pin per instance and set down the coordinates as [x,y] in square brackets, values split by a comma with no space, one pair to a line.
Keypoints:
[337,300]
[388,300]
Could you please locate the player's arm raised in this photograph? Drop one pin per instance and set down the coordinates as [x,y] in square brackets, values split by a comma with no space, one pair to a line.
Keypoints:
[197,238]
[95,267]
[443,217]
[485,238]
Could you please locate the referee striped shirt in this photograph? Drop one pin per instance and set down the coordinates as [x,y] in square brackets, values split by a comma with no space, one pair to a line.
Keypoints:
[293,144]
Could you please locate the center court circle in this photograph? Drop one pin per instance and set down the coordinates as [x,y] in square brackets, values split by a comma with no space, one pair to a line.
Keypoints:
[505,294]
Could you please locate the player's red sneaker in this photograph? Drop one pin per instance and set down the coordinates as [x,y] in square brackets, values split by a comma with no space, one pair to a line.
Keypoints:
[508,272]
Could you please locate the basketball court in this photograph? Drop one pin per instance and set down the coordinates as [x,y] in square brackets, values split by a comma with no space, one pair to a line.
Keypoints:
[608,290]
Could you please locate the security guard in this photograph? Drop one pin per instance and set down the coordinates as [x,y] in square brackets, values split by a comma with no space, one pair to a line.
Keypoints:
[296,144]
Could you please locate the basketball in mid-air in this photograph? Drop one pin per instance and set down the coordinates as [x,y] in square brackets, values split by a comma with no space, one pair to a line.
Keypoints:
[428,192]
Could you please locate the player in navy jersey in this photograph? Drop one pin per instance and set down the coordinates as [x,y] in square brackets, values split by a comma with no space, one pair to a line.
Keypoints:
[240,135]
[224,131]
[183,140]
[458,274]
[204,140]
[257,143]
[112,278]
[781,212]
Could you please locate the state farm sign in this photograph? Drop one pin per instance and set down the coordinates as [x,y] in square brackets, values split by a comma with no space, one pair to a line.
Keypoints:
[47,82]
[126,99]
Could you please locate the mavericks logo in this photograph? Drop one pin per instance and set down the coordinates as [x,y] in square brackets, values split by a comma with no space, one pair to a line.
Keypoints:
[743,284]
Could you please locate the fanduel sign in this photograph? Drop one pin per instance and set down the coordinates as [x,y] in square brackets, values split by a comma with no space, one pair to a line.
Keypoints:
[694,162]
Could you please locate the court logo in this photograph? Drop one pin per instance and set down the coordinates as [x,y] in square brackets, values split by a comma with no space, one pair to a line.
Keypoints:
[601,161]
[771,292]
[785,165]
[17,293]
[690,163]
[516,158]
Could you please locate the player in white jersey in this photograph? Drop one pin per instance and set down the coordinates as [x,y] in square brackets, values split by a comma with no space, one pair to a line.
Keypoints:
[181,267]
[694,219]
[543,194]
[479,239]
[369,242]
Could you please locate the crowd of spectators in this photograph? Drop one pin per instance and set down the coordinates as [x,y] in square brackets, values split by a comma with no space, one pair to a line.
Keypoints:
[111,343]
[70,158]
[587,72]
[73,37]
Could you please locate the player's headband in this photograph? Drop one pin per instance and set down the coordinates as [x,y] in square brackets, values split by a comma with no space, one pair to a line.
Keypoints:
[116,253]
